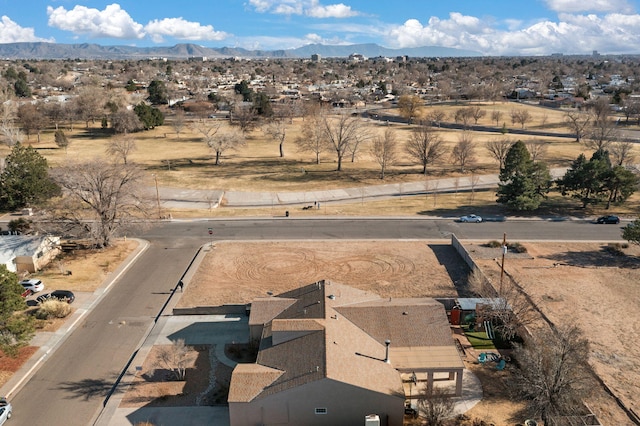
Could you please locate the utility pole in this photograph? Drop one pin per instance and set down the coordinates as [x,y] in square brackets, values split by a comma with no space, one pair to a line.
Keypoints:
[504,252]
[157,196]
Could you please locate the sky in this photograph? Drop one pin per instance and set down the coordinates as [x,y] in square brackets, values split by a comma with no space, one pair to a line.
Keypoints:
[490,27]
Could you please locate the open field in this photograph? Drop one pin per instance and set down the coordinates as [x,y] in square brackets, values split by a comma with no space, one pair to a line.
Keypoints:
[185,160]
[590,286]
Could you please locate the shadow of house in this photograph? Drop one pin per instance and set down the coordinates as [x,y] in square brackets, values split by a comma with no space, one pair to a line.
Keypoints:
[28,253]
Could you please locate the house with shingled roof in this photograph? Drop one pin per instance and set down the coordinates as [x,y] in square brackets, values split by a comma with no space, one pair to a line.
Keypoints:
[332,354]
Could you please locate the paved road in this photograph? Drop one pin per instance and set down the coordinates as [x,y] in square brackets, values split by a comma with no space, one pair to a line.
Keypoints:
[71,386]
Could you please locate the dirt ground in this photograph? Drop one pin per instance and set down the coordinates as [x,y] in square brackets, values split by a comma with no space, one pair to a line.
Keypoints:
[585,284]
[236,273]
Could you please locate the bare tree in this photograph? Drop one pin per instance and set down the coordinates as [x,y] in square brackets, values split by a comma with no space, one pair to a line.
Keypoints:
[89,104]
[436,116]
[498,149]
[578,122]
[100,199]
[120,147]
[464,116]
[312,138]
[10,132]
[31,118]
[384,150]
[425,146]
[225,141]
[622,153]
[496,116]
[553,375]
[410,107]
[341,133]
[434,406]
[537,149]
[174,358]
[125,121]
[601,134]
[477,113]
[178,122]
[245,117]
[520,116]
[276,129]
[463,153]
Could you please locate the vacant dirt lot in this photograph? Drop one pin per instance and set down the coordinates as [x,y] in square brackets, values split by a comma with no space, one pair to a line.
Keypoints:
[239,272]
[580,282]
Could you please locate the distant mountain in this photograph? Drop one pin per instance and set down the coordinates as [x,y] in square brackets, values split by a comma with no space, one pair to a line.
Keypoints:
[183,51]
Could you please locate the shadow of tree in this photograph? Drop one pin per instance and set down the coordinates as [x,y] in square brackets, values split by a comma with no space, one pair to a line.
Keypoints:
[607,256]
[87,389]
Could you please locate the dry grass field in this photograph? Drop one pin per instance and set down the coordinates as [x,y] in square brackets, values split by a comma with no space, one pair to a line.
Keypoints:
[185,161]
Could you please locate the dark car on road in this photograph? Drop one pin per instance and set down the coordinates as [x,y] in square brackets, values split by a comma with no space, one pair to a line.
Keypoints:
[62,295]
[608,219]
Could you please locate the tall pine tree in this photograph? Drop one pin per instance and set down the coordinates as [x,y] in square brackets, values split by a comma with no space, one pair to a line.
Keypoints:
[25,180]
[523,183]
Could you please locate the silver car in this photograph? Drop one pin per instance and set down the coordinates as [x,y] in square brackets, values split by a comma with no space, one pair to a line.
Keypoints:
[471,218]
[5,410]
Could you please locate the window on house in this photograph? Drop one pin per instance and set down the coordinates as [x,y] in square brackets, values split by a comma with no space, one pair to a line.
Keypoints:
[321,411]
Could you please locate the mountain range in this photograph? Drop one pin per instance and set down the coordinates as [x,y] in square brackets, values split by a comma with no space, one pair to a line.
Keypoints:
[42,50]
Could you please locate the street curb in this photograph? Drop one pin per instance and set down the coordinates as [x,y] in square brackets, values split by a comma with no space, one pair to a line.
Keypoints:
[106,413]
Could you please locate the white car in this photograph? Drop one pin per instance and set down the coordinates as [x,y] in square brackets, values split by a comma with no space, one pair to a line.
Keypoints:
[5,410]
[471,218]
[33,285]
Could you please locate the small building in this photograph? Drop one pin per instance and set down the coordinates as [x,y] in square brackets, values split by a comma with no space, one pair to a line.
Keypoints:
[28,253]
[332,354]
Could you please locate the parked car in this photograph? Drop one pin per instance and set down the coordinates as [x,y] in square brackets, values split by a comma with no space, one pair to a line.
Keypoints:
[62,295]
[5,410]
[608,219]
[33,284]
[471,218]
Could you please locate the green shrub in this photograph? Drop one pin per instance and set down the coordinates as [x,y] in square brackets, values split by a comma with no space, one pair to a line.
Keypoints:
[53,309]
[494,244]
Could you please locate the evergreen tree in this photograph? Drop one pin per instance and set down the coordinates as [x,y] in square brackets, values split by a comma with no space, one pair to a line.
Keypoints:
[61,139]
[149,116]
[595,181]
[15,330]
[25,180]
[631,232]
[523,183]
[243,89]
[157,92]
[262,105]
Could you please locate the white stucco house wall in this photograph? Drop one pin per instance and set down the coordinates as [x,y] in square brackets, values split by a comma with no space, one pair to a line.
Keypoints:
[28,253]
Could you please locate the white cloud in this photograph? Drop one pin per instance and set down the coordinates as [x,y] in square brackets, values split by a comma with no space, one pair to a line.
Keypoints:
[575,6]
[111,22]
[311,8]
[11,32]
[181,29]
[614,33]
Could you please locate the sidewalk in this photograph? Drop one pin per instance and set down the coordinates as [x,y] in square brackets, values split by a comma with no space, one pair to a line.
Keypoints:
[208,199]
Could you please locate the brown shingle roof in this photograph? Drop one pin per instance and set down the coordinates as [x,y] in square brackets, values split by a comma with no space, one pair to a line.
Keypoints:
[248,380]
[337,332]
[406,322]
